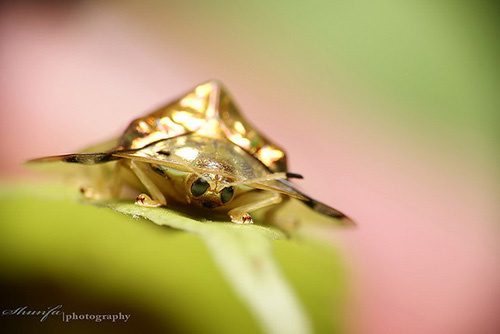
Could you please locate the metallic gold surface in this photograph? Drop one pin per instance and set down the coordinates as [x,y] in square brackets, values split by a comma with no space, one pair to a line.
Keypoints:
[207,110]
[203,135]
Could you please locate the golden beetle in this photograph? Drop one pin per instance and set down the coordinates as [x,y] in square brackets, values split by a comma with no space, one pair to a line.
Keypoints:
[199,150]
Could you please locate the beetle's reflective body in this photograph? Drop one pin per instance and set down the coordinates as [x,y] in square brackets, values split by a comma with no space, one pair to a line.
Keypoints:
[199,150]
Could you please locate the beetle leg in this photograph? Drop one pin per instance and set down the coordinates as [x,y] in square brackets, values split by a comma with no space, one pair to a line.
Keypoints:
[89,193]
[157,198]
[145,200]
[240,214]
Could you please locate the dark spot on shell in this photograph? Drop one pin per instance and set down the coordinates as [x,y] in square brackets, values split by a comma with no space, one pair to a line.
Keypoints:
[165,153]
[157,169]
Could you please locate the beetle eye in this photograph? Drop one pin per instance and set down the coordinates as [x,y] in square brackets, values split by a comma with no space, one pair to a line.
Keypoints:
[199,187]
[226,194]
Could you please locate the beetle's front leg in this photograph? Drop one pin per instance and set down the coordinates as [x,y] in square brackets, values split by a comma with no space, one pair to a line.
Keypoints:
[157,198]
[255,201]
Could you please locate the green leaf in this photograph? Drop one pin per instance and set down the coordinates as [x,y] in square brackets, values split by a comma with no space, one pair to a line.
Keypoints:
[244,278]
[244,254]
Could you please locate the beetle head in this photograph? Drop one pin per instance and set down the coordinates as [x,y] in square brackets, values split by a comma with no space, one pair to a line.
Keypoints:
[208,190]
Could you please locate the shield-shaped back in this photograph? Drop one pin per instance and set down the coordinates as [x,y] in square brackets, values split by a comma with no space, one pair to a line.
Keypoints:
[207,110]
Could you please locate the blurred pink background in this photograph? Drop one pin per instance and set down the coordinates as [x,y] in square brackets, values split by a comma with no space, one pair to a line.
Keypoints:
[424,258]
